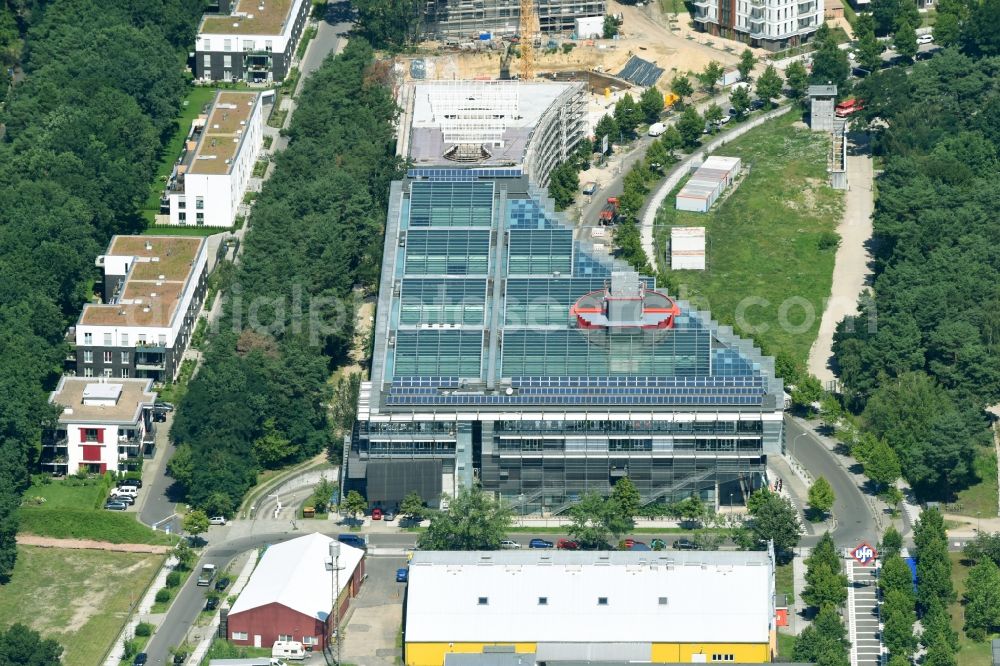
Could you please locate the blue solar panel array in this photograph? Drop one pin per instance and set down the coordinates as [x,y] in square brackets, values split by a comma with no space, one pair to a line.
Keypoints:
[460,175]
[586,264]
[624,390]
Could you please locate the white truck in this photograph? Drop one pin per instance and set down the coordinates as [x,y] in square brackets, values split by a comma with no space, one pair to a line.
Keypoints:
[656,129]
[206,575]
[288,650]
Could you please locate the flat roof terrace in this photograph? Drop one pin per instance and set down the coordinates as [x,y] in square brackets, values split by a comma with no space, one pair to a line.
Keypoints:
[133,394]
[154,284]
[222,137]
[252,17]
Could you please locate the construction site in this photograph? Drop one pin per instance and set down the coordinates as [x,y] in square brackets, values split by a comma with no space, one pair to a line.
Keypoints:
[664,42]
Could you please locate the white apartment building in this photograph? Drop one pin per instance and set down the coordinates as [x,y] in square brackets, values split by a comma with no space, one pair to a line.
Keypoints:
[253,41]
[212,176]
[153,290]
[103,426]
[769,24]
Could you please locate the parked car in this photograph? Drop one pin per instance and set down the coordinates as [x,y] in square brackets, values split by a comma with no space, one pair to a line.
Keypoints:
[217,520]
[376,514]
[115,506]
[402,575]
[125,490]
[925,39]
[222,584]
[180,658]
[685,544]
[507,544]
[140,659]
[127,499]
[627,543]
[756,105]
[355,540]
[129,482]
[539,543]
[389,515]
[165,406]
[211,603]
[567,544]
[658,544]
[639,545]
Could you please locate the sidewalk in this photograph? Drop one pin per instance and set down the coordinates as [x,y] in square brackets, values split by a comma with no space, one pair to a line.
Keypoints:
[117,652]
[793,487]
[797,621]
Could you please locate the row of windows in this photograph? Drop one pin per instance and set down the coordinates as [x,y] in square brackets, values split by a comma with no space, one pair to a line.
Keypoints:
[306,640]
[199,202]
[88,356]
[721,427]
[107,372]
[199,218]
[142,338]
[248,44]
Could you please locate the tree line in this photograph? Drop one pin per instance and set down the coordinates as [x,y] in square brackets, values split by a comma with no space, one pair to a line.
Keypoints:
[103,82]
[922,359]
[260,399]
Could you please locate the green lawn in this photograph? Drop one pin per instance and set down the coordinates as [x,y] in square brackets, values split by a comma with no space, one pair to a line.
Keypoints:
[97,524]
[784,581]
[970,653]
[71,493]
[763,243]
[197,98]
[982,497]
[79,597]
[786,646]
[223,649]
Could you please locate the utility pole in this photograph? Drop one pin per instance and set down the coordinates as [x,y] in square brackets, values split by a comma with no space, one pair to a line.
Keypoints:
[335,563]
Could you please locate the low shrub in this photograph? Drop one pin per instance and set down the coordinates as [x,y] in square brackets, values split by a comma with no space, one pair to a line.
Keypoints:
[173,579]
[162,595]
[144,629]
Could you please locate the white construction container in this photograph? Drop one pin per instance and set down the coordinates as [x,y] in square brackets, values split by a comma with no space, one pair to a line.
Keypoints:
[687,248]
[590,27]
[706,185]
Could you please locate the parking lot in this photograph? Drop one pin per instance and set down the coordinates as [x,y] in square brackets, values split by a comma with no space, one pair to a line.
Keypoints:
[376,615]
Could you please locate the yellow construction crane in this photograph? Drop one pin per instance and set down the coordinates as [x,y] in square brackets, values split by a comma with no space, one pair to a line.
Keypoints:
[528,28]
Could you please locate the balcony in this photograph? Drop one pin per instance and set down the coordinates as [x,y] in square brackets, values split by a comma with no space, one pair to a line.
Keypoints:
[807,7]
[55,443]
[150,363]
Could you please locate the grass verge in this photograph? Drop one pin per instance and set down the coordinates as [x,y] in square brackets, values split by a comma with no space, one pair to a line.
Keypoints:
[171,230]
[970,653]
[784,581]
[79,597]
[786,646]
[197,98]
[771,244]
[223,649]
[96,524]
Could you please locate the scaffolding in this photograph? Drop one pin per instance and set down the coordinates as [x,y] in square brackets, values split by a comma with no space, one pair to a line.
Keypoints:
[474,112]
[837,163]
[470,18]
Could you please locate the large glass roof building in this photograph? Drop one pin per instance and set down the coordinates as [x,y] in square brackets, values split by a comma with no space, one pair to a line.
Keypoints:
[510,353]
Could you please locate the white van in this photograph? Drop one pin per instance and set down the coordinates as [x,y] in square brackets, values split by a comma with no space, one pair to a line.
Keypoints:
[288,650]
[131,491]
[656,129]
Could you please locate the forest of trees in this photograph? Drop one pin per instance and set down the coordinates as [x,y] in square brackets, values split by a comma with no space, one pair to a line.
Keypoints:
[103,82]
[260,398]
[923,358]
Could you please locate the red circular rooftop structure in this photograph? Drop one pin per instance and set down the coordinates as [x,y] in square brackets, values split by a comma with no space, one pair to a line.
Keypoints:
[625,304]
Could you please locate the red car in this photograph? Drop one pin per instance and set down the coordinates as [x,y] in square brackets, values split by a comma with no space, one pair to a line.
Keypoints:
[376,514]
[628,543]
[567,544]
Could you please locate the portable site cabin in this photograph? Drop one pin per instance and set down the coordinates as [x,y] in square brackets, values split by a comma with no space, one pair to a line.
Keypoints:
[687,248]
[706,185]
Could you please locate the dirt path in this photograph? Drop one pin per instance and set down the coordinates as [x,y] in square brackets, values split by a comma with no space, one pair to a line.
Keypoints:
[48,542]
[851,271]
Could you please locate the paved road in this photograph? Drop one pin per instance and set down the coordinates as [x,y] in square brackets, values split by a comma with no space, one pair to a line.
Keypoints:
[855,522]
[157,505]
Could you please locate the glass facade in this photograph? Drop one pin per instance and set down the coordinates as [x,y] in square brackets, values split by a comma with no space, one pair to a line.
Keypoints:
[480,363]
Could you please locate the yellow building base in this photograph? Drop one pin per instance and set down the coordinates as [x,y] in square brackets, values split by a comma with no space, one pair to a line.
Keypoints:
[432,654]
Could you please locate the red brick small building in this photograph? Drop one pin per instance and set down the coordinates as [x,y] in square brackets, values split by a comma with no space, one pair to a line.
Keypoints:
[289,595]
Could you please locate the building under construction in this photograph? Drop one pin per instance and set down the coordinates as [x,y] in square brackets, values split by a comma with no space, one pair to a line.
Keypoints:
[444,19]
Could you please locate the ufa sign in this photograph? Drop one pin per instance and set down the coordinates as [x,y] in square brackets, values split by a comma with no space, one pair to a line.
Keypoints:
[864,554]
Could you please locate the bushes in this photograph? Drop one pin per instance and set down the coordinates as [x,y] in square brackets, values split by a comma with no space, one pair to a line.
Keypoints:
[144,629]
[163,595]
[173,579]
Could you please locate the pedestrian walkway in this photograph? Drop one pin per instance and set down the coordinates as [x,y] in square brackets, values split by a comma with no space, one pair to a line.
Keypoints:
[863,614]
[792,487]
[797,620]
